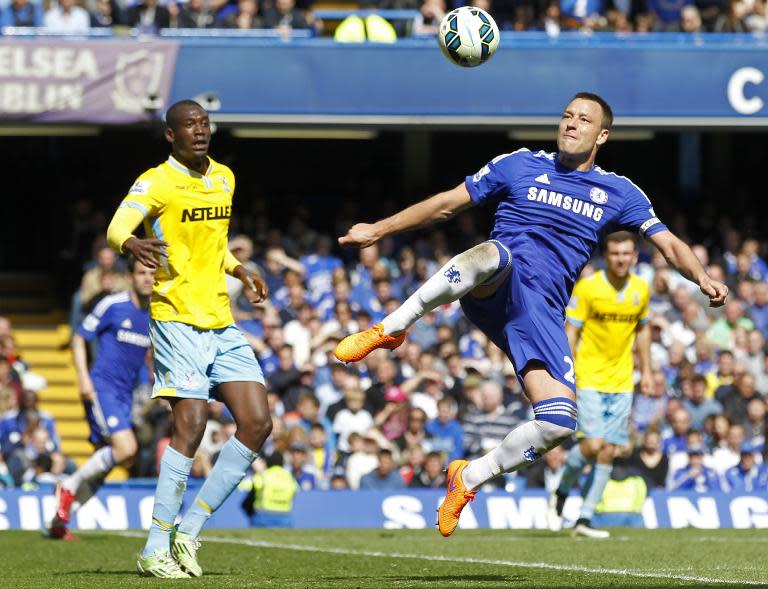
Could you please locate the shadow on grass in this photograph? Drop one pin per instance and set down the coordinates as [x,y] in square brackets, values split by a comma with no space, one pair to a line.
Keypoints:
[124,573]
[502,581]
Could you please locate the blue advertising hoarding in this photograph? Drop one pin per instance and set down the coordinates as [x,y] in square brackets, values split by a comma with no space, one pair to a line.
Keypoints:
[130,507]
[654,80]
[657,80]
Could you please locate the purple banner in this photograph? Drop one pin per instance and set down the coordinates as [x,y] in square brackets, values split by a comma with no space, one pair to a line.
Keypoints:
[80,81]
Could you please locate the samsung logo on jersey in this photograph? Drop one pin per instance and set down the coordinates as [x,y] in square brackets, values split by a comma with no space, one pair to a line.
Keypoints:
[205,214]
[567,203]
[131,337]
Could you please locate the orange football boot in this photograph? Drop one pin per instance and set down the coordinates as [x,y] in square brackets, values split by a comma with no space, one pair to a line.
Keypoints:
[357,346]
[456,497]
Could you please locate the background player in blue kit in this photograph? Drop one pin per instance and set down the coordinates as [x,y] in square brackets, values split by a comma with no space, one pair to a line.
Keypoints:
[550,210]
[121,324]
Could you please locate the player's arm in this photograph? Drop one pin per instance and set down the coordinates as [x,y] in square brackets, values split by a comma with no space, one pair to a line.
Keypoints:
[254,287]
[120,236]
[80,359]
[643,342]
[576,314]
[573,332]
[680,256]
[435,209]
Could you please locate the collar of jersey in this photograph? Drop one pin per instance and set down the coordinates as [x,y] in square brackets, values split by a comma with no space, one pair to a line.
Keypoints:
[608,282]
[177,165]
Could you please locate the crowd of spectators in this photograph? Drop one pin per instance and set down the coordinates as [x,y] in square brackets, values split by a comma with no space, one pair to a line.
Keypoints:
[397,418]
[551,16]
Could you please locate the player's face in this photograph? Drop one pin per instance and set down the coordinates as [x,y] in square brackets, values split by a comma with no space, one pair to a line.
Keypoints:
[581,128]
[620,256]
[190,134]
[143,279]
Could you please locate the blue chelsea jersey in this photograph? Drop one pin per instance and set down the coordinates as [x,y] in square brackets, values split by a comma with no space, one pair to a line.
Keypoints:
[123,332]
[551,217]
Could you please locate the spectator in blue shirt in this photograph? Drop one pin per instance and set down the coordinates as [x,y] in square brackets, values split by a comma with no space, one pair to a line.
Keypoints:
[676,438]
[667,13]
[298,467]
[447,433]
[697,404]
[14,422]
[696,476]
[759,308]
[22,13]
[319,267]
[385,476]
[307,414]
[275,263]
[744,477]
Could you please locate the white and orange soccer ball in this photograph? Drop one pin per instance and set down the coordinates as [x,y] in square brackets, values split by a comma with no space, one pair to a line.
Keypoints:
[468,36]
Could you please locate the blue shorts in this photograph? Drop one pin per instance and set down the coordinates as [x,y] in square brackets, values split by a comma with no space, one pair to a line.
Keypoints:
[109,412]
[604,415]
[189,362]
[527,328]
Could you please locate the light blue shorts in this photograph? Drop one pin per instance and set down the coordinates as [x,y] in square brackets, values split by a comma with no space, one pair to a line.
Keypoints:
[604,415]
[189,362]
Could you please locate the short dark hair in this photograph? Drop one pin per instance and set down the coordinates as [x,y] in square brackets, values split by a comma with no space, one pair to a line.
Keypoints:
[173,113]
[619,237]
[607,121]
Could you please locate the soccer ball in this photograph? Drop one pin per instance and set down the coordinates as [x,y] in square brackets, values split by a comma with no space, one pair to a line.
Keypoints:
[468,36]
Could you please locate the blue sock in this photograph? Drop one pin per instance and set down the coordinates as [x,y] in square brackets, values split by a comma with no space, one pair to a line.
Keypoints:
[600,477]
[573,467]
[234,459]
[171,484]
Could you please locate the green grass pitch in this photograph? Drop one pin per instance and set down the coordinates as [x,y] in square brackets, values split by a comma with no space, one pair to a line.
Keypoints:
[330,559]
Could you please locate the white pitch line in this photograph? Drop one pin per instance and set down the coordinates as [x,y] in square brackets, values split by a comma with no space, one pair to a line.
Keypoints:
[464,560]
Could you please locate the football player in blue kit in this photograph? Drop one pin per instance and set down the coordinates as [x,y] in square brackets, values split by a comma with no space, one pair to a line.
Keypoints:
[120,323]
[550,211]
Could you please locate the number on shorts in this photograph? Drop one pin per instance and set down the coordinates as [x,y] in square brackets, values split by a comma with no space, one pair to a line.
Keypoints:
[569,375]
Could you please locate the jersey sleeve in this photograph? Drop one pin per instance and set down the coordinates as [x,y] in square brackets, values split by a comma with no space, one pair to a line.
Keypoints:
[577,310]
[146,195]
[494,179]
[96,321]
[638,214]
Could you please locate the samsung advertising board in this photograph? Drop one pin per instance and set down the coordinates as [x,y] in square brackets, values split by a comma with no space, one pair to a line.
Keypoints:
[130,508]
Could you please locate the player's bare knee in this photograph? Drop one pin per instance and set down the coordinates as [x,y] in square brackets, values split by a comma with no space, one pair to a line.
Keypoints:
[593,446]
[255,432]
[606,453]
[124,449]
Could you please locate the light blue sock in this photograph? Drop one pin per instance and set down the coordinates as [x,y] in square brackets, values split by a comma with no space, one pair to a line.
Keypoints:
[601,476]
[234,459]
[573,467]
[171,484]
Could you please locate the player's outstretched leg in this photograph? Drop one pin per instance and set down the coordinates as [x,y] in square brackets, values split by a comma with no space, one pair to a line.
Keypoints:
[555,421]
[458,277]
[90,474]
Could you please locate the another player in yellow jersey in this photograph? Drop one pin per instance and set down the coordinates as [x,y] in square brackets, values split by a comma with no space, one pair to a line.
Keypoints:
[185,205]
[607,312]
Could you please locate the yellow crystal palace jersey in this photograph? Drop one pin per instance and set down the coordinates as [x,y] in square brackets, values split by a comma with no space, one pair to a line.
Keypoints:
[608,319]
[191,213]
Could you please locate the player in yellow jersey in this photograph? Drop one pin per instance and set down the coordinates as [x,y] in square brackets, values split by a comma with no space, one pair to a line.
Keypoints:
[608,311]
[185,205]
